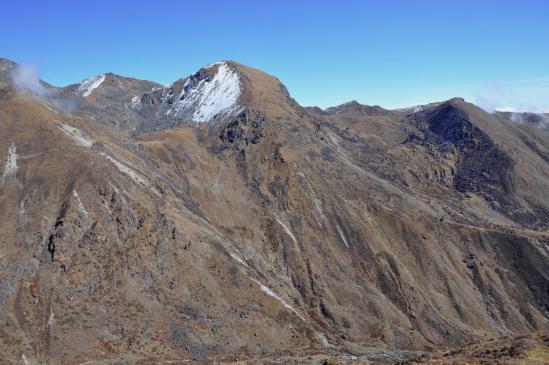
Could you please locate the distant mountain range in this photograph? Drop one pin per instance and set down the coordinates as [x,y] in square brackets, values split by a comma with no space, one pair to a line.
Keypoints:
[217,220]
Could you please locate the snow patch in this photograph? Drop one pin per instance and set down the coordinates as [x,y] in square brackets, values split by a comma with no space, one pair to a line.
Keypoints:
[342,235]
[237,258]
[24,359]
[286,229]
[88,85]
[271,293]
[120,162]
[312,195]
[108,209]
[76,135]
[323,340]
[333,142]
[81,206]
[128,171]
[11,162]
[418,108]
[51,319]
[136,102]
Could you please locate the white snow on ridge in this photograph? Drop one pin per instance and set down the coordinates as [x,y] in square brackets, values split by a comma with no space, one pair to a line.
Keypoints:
[88,85]
[218,95]
[209,97]
[215,64]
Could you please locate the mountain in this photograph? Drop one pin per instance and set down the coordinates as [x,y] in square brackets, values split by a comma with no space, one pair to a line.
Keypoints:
[215,219]
[105,98]
[110,89]
[213,95]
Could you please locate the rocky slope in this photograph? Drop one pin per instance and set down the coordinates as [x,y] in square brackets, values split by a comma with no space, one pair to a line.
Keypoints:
[215,218]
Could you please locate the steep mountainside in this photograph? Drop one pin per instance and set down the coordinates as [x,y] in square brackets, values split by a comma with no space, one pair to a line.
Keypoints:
[216,219]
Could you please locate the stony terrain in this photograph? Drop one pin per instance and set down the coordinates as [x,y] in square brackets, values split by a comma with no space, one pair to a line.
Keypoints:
[215,219]
[527,349]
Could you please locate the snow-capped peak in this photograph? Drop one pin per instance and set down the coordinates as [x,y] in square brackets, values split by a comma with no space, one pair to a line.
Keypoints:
[220,94]
[88,85]
[201,97]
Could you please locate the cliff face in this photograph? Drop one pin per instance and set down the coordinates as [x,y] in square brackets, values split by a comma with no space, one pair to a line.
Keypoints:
[264,229]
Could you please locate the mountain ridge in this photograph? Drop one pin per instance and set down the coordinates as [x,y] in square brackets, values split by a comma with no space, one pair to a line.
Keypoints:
[254,75]
[267,232]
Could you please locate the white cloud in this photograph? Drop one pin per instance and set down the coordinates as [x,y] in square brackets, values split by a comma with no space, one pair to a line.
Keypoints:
[521,96]
[25,77]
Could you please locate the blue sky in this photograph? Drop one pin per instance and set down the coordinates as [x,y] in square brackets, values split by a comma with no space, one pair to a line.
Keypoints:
[390,53]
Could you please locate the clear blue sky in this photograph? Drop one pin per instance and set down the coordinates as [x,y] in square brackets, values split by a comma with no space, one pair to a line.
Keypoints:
[391,53]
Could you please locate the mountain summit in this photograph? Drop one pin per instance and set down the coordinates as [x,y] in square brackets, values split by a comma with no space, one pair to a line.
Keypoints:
[213,94]
[216,220]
